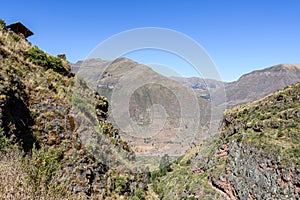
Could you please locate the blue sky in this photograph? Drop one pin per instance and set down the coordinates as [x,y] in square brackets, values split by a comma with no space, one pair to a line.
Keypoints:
[239,35]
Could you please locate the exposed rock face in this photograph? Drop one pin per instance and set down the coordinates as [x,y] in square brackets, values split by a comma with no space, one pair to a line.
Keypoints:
[250,173]
[15,116]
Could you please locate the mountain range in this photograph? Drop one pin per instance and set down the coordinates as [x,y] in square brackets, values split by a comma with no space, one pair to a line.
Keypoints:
[249,87]
[203,100]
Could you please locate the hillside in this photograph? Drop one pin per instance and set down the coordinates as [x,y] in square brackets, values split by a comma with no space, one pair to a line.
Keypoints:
[255,156]
[258,84]
[156,114]
[55,139]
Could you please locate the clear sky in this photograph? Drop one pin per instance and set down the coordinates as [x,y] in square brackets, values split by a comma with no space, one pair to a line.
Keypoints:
[239,35]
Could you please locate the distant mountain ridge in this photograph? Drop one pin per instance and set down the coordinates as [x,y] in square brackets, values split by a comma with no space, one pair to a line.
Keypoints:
[259,83]
[249,87]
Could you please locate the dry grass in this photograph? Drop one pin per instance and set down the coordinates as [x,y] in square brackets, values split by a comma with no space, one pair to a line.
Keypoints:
[13,184]
[12,179]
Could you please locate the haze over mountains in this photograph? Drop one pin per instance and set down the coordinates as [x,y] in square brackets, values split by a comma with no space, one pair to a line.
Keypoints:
[255,153]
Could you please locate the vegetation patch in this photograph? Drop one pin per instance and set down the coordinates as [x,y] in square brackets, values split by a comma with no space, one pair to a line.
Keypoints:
[39,57]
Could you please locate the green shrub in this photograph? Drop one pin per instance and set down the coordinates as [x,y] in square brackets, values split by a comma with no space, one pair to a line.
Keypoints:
[55,64]
[41,167]
[139,194]
[165,162]
[121,182]
[39,57]
[280,134]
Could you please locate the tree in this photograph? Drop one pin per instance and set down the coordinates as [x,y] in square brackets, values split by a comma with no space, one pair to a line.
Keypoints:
[165,164]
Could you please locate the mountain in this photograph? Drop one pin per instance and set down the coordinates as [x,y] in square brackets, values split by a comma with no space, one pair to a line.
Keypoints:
[247,88]
[257,84]
[156,114]
[55,139]
[256,155]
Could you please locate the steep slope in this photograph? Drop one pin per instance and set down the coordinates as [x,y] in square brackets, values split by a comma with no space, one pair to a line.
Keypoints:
[255,156]
[54,132]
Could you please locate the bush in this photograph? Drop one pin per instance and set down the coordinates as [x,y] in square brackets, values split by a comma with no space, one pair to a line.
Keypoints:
[280,134]
[121,183]
[55,64]
[39,57]
[139,194]
[41,168]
